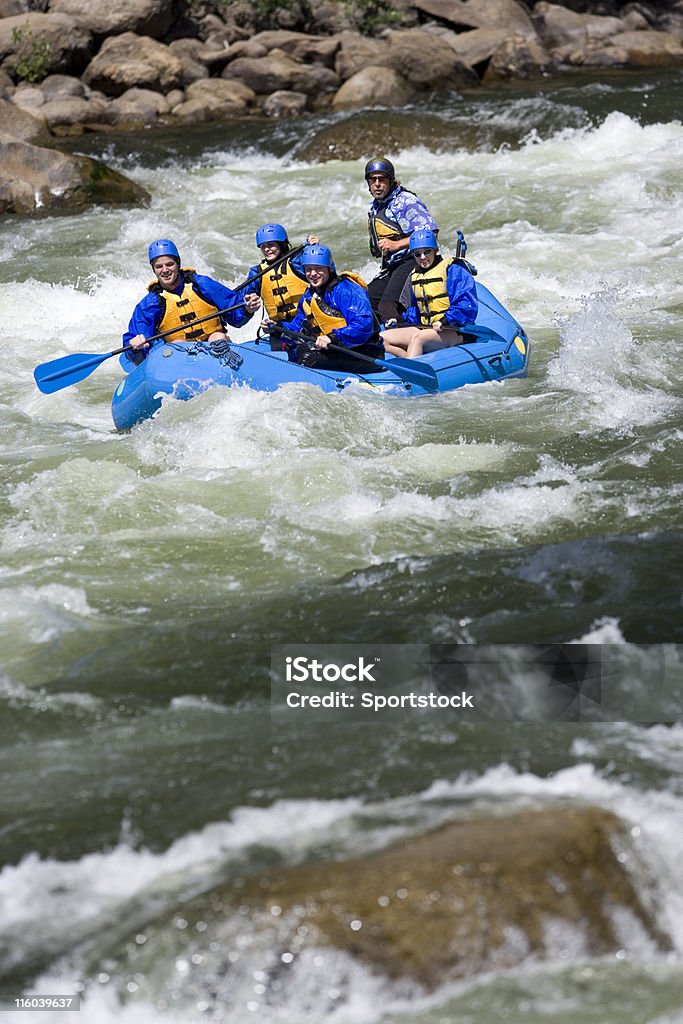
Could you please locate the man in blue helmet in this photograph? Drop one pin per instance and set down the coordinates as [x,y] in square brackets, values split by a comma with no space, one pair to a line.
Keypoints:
[334,310]
[175,300]
[394,214]
[441,299]
[281,287]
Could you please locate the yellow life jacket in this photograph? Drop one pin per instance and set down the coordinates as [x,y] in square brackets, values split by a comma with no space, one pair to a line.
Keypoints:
[281,289]
[181,310]
[321,315]
[380,225]
[431,291]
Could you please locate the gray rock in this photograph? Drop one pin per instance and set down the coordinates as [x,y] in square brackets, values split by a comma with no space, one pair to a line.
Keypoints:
[28,97]
[130,61]
[33,178]
[146,17]
[57,87]
[213,99]
[558,26]
[70,115]
[22,125]
[284,103]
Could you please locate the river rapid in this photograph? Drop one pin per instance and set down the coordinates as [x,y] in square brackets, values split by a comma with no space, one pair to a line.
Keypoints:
[147,575]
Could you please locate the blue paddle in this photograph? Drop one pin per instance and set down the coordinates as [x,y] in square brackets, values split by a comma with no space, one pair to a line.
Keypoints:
[408,370]
[61,373]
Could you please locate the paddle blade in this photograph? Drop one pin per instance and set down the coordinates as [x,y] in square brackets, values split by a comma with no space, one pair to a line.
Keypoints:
[412,372]
[61,373]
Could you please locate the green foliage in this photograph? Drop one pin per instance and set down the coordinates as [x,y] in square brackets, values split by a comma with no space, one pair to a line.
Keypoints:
[372,14]
[266,7]
[34,55]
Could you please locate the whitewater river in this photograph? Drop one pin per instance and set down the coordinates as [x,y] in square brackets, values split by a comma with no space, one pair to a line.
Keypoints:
[146,576]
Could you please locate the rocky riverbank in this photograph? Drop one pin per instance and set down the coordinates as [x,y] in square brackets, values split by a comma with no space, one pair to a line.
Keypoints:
[75,66]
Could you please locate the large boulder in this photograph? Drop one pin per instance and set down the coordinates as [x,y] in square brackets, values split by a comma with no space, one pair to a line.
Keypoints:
[357,52]
[479,895]
[628,50]
[146,17]
[463,14]
[33,178]
[137,108]
[285,104]
[558,26]
[279,71]
[427,61]
[476,46]
[374,86]
[213,99]
[72,115]
[517,57]
[44,43]
[129,61]
[308,49]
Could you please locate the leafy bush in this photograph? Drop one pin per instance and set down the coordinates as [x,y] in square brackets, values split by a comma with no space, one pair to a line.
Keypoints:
[34,55]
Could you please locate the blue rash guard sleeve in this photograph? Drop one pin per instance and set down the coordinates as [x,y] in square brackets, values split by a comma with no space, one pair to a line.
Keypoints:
[145,320]
[354,305]
[463,295]
[223,297]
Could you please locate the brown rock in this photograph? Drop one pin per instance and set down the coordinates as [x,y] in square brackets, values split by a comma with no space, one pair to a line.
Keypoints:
[33,178]
[518,57]
[192,69]
[471,897]
[357,52]
[137,108]
[374,86]
[427,61]
[446,905]
[129,61]
[285,104]
[146,17]
[213,99]
[307,49]
[68,44]
[476,46]
[506,14]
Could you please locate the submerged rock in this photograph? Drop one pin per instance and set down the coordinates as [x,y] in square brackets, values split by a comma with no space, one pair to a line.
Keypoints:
[472,896]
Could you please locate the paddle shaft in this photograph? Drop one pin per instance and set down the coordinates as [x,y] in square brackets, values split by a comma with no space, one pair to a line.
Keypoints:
[414,373]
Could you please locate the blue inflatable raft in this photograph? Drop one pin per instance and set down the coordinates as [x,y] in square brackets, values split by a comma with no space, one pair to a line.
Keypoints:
[495,348]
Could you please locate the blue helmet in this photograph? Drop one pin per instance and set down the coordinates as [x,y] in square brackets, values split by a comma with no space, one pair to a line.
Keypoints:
[271,233]
[317,256]
[423,238]
[380,166]
[163,247]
